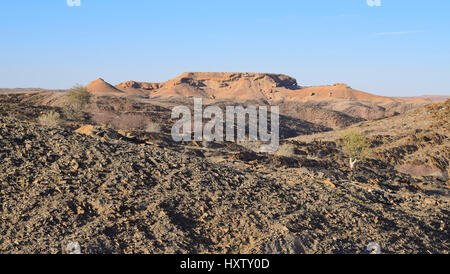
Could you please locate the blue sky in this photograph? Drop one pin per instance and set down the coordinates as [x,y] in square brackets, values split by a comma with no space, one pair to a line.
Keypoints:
[400,48]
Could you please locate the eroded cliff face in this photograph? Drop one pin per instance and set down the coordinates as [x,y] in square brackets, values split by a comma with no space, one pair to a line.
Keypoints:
[138,85]
[216,85]
[247,86]
[220,79]
[337,105]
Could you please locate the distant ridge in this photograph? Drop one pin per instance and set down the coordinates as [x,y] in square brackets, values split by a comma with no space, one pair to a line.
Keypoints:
[268,87]
[245,86]
[331,92]
[20,90]
[431,98]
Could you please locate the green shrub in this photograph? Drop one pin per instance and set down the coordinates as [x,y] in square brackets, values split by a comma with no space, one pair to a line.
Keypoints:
[356,146]
[50,119]
[76,99]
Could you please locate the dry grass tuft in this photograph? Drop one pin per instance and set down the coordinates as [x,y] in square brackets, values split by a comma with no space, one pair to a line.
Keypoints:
[285,150]
[50,119]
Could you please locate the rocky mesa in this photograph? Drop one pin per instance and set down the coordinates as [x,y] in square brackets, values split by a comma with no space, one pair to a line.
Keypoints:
[268,87]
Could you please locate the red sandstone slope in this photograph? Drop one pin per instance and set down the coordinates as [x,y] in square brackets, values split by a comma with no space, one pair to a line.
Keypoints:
[243,87]
[246,86]
[100,87]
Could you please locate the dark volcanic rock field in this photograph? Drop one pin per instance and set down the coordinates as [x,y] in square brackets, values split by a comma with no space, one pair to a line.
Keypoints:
[120,195]
[115,196]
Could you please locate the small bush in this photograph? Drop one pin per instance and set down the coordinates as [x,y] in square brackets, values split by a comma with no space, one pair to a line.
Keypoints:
[285,150]
[76,99]
[153,127]
[356,146]
[50,119]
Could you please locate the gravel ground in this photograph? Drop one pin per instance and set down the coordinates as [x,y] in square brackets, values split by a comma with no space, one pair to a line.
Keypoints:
[113,194]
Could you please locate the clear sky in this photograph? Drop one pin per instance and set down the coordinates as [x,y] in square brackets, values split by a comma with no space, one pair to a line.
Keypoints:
[401,47]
